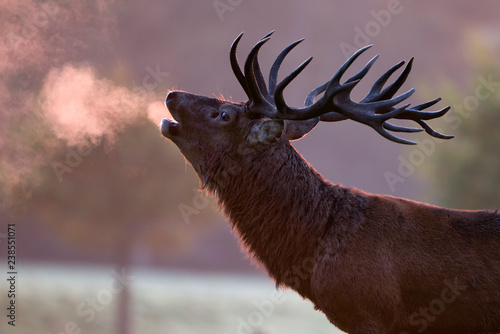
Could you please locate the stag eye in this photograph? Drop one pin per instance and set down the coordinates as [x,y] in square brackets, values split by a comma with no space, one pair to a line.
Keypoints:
[224,116]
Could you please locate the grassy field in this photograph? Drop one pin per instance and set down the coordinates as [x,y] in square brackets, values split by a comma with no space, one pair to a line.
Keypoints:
[76,300]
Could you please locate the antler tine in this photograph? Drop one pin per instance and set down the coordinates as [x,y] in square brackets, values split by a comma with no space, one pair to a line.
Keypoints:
[236,67]
[392,137]
[397,128]
[374,93]
[286,112]
[413,113]
[361,74]
[335,81]
[273,74]
[269,34]
[426,104]
[257,99]
[314,93]
[396,85]
[433,132]
[258,74]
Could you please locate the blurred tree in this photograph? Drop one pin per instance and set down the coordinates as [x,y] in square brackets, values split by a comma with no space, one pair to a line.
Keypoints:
[122,197]
[465,171]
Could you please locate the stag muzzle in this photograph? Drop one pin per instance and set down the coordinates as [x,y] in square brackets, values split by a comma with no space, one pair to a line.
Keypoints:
[170,128]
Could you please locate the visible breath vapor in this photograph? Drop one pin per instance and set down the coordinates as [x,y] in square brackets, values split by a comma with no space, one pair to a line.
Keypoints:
[50,93]
[78,105]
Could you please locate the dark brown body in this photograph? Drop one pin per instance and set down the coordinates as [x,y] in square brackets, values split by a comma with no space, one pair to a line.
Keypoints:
[373,264]
[370,263]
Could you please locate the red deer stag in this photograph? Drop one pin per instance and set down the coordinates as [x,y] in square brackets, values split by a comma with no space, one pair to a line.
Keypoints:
[371,263]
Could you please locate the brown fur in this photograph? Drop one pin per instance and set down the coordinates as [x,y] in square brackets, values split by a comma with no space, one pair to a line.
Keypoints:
[371,263]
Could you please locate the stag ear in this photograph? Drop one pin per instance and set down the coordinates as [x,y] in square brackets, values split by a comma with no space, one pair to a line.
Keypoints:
[265,132]
[297,129]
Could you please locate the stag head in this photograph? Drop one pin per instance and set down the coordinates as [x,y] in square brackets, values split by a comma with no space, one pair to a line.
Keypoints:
[208,129]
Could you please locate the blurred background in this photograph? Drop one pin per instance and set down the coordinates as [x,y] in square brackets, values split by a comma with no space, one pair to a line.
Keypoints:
[112,235]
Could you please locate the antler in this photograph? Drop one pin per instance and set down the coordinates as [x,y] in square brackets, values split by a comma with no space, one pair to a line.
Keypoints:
[335,104]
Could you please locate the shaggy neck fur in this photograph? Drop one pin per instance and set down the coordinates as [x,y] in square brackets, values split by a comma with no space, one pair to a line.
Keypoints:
[274,201]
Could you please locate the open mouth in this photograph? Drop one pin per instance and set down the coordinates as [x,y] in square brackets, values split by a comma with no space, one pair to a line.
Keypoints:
[169,128]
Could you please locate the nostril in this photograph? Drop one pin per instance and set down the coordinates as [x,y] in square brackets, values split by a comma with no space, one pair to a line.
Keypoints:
[170,97]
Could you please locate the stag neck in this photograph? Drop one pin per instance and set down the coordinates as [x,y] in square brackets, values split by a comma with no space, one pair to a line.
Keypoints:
[274,205]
